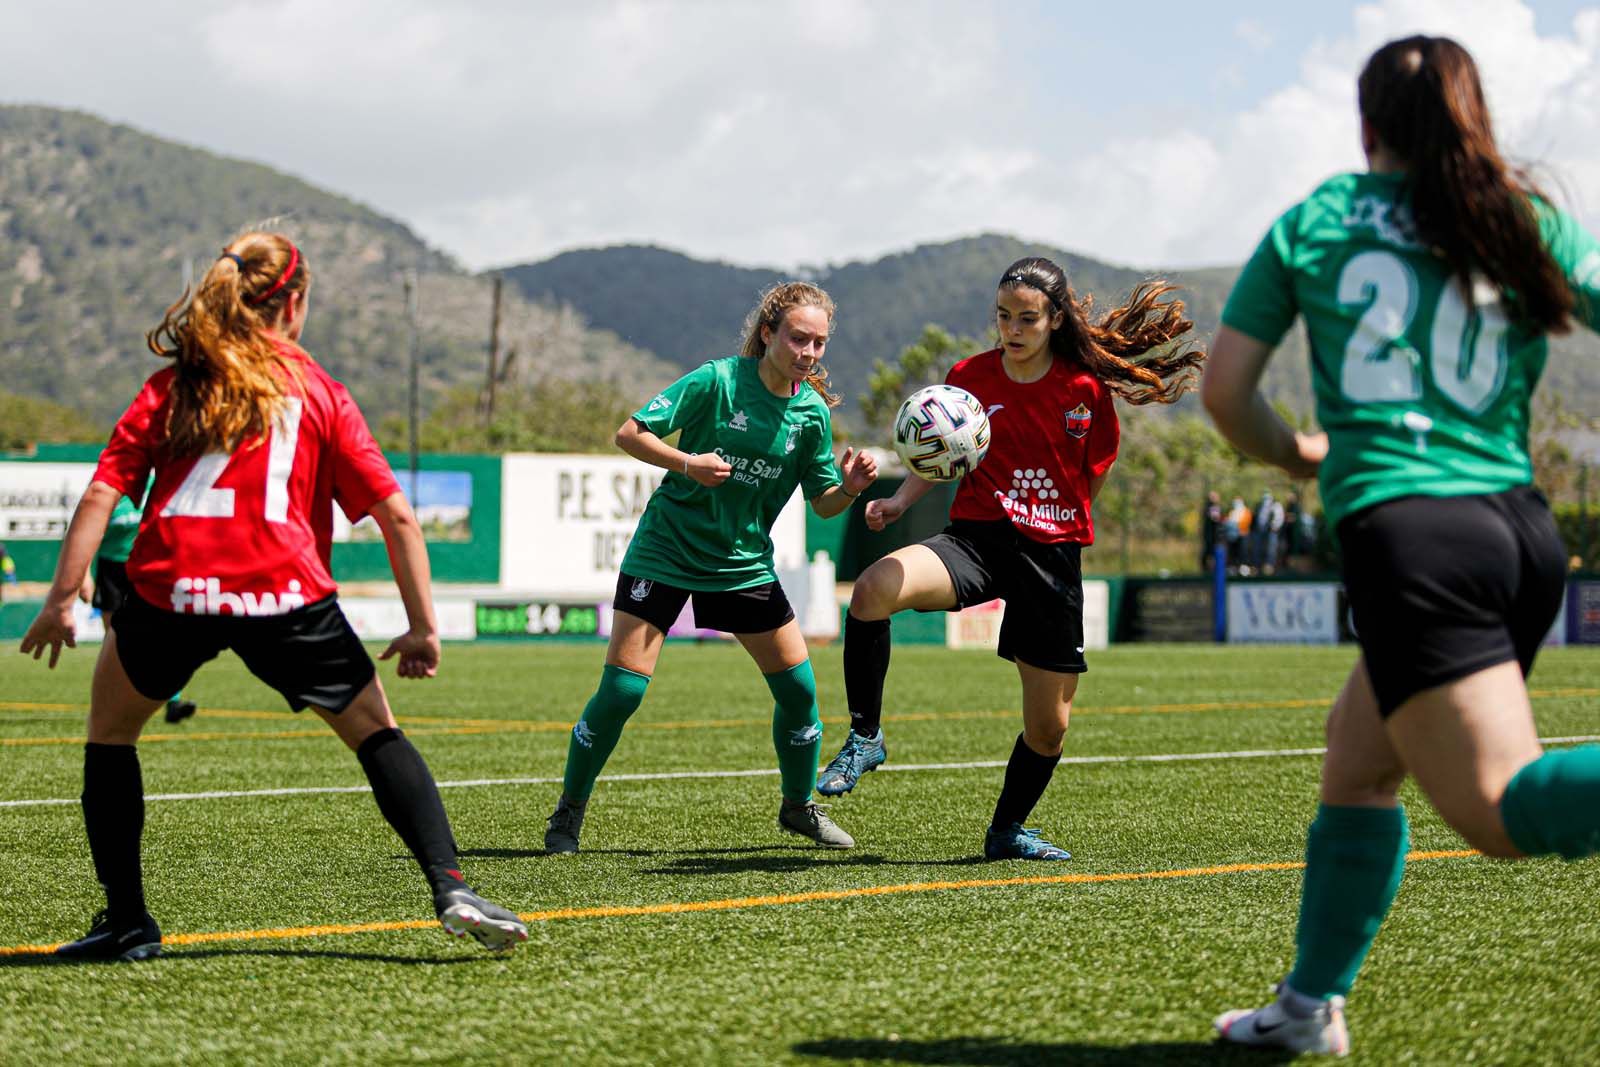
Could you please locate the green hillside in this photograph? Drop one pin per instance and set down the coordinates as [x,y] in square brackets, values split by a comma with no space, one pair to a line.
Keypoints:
[100,226]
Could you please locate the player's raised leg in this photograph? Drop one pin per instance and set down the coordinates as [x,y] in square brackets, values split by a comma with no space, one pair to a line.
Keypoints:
[911,577]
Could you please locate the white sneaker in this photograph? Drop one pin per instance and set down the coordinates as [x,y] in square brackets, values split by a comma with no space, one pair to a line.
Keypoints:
[1272,1026]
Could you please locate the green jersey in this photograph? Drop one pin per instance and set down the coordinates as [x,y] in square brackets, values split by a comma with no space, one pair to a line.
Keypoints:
[117,544]
[717,538]
[1422,388]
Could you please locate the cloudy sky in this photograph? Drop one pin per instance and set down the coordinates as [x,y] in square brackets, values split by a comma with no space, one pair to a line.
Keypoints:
[1162,133]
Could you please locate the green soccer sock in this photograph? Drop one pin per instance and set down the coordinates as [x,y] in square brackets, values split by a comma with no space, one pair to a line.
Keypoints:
[796,729]
[1553,804]
[596,733]
[1354,859]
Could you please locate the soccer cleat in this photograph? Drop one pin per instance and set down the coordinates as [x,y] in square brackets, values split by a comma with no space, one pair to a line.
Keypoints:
[1274,1027]
[464,913]
[856,757]
[562,829]
[809,820]
[1017,843]
[178,710]
[106,941]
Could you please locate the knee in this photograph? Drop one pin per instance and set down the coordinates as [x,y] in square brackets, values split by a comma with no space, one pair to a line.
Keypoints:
[875,592]
[1361,788]
[1046,739]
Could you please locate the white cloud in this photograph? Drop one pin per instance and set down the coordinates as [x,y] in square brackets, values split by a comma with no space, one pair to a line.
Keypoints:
[1255,36]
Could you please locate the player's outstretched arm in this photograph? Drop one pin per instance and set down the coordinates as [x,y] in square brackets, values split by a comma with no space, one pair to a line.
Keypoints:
[707,468]
[53,627]
[418,647]
[884,510]
[1228,391]
[859,470]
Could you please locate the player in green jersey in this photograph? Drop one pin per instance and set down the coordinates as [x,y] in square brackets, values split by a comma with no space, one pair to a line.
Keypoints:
[107,586]
[1427,286]
[750,429]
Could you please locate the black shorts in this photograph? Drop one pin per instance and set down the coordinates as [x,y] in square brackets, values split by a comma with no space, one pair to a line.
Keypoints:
[1443,587]
[1041,584]
[111,586]
[755,610]
[310,655]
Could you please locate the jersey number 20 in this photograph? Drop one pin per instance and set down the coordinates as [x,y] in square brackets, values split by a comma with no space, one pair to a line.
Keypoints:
[199,498]
[1466,349]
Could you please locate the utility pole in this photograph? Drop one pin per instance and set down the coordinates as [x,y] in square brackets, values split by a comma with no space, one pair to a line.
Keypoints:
[413,307]
[494,350]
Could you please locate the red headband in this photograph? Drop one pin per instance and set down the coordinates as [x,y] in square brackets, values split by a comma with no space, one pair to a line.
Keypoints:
[294,261]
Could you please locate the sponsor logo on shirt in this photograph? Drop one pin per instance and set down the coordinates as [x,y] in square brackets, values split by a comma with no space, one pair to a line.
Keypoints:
[993,408]
[660,403]
[1079,419]
[794,435]
[740,421]
[750,471]
[1388,221]
[1030,501]
[640,589]
[204,596]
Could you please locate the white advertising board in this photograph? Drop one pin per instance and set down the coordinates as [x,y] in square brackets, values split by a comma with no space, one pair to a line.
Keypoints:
[1302,613]
[37,499]
[979,625]
[566,522]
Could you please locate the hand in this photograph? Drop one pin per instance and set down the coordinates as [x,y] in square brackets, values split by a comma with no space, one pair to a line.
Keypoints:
[1310,450]
[883,511]
[53,627]
[858,469]
[418,651]
[709,469]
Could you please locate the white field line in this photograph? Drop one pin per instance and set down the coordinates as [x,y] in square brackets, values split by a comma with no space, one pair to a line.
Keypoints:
[764,772]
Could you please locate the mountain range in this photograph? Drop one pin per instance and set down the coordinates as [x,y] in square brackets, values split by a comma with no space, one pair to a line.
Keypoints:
[101,225]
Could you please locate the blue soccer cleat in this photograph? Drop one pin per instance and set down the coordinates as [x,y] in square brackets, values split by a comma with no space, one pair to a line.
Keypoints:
[1016,843]
[857,756]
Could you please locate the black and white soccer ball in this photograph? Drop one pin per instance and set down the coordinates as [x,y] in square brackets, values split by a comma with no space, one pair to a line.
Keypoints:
[941,433]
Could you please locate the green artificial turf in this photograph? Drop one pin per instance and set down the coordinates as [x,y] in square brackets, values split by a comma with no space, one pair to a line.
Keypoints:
[1481,962]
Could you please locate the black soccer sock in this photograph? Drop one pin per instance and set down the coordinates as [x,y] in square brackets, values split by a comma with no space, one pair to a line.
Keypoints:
[409,799]
[1027,775]
[866,664]
[113,817]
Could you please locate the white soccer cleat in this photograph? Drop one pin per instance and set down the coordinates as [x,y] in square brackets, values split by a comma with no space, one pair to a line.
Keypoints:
[1273,1027]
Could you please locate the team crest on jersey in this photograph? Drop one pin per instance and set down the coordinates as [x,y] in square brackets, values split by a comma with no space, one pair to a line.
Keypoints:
[794,435]
[1078,420]
[660,403]
[740,421]
[640,589]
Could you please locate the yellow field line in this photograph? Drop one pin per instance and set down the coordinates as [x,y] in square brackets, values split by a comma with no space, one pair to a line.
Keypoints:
[733,903]
[458,727]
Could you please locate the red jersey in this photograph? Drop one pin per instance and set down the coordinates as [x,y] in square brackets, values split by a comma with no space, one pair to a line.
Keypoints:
[1047,439]
[247,533]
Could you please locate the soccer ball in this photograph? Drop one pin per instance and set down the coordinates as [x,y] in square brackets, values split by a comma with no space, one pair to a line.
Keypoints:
[941,433]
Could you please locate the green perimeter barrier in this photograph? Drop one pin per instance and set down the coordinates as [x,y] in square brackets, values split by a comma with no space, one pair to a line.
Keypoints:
[474,559]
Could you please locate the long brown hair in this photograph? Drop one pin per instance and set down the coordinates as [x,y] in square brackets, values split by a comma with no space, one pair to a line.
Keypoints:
[1422,98]
[777,302]
[232,374]
[1118,347]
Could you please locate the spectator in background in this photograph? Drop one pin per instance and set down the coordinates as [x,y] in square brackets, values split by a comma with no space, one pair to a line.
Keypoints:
[1267,529]
[1289,543]
[1235,527]
[1210,530]
[8,570]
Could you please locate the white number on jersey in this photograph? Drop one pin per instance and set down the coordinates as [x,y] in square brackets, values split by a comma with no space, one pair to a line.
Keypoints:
[1466,350]
[199,498]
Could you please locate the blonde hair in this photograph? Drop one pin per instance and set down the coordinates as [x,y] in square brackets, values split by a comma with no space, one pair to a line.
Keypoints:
[777,302]
[232,375]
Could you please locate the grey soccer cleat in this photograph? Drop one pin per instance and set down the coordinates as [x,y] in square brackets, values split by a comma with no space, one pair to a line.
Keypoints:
[1276,1026]
[563,827]
[808,819]
[464,913]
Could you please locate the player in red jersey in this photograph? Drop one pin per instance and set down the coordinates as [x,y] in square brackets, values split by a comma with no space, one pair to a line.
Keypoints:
[251,443]
[1019,520]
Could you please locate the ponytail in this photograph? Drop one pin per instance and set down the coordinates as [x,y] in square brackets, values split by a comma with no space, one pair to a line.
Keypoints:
[1421,97]
[232,371]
